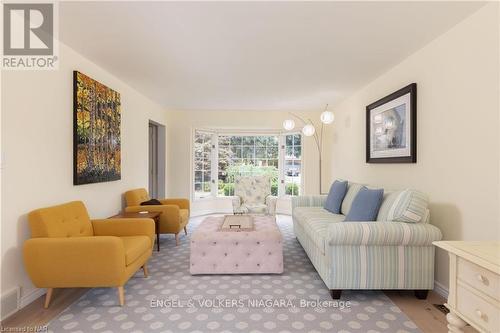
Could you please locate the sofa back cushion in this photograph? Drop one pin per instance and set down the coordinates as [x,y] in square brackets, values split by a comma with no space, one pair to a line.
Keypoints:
[336,196]
[352,191]
[365,205]
[387,202]
[67,220]
[404,206]
[136,197]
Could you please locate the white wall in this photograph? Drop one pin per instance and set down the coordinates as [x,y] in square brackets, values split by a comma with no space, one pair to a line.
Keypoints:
[458,131]
[179,154]
[37,152]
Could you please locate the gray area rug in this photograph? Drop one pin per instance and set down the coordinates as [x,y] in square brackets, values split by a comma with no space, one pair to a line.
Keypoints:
[171,300]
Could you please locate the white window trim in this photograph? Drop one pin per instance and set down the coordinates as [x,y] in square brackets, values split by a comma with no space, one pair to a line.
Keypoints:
[214,156]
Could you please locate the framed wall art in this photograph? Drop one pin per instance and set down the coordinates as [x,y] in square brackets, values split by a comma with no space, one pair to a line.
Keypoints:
[391,128]
[96,131]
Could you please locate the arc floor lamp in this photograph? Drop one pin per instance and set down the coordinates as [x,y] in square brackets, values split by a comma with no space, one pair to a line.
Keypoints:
[309,129]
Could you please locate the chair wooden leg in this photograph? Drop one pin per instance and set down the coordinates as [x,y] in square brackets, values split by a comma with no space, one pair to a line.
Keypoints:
[185,231]
[48,296]
[177,239]
[121,295]
[145,269]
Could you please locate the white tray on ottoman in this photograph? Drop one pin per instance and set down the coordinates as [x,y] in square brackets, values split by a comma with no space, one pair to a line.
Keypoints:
[227,252]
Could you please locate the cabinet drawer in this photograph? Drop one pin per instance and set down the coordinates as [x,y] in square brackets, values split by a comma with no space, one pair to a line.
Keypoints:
[477,309]
[479,278]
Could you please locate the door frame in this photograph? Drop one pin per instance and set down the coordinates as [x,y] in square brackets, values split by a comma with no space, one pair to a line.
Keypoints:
[159,155]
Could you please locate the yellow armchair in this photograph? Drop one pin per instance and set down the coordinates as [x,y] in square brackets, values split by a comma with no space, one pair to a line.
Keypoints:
[68,250]
[174,212]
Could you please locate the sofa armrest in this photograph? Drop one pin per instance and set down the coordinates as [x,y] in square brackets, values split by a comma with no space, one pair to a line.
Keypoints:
[182,203]
[308,201]
[75,261]
[382,233]
[125,227]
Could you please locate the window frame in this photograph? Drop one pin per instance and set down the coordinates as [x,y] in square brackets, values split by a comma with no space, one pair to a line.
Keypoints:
[214,156]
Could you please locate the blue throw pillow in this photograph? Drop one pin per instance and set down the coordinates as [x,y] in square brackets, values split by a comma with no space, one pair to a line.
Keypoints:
[335,196]
[365,205]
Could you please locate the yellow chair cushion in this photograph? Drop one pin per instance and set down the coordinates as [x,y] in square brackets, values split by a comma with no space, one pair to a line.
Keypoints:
[136,197]
[67,220]
[135,246]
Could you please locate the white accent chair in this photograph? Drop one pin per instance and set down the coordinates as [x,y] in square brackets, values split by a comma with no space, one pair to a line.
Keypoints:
[252,195]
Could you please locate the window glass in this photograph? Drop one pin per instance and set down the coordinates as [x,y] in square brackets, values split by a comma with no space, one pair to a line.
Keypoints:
[247,155]
[293,164]
[202,164]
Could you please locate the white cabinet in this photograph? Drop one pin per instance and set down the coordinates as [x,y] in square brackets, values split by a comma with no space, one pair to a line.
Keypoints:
[474,295]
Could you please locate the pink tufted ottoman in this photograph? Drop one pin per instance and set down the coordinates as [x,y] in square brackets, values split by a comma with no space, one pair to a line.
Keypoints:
[227,252]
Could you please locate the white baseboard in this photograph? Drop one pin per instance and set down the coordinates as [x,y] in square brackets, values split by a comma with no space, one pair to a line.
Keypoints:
[27,299]
[440,289]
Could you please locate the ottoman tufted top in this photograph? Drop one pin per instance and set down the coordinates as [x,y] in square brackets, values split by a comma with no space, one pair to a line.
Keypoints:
[218,252]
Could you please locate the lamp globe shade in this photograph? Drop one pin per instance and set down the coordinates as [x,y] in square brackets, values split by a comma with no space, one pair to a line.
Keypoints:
[327,117]
[289,124]
[308,130]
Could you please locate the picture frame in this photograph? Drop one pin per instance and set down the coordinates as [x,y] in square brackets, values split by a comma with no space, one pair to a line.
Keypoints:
[391,127]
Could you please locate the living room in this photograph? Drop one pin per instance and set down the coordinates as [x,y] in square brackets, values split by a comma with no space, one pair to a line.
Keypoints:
[338,136]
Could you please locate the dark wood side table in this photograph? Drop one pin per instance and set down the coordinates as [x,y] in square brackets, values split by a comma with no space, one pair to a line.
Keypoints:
[155,216]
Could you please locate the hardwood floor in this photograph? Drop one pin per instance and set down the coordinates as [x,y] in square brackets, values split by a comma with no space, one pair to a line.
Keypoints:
[423,312]
[35,315]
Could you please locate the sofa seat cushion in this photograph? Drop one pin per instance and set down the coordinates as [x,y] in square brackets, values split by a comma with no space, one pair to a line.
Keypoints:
[315,221]
[135,246]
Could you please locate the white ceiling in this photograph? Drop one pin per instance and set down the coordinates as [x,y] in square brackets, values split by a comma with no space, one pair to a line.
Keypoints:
[252,55]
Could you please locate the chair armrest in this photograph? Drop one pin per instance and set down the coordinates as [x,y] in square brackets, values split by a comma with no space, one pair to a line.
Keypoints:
[125,227]
[75,261]
[169,213]
[271,204]
[236,201]
[382,233]
[308,201]
[164,209]
[182,203]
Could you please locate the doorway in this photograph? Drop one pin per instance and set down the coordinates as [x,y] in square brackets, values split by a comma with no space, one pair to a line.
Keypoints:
[156,160]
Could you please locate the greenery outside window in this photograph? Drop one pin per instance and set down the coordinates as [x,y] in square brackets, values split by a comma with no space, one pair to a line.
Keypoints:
[220,157]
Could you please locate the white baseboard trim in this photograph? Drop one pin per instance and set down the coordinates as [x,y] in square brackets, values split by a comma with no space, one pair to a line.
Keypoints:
[440,289]
[27,299]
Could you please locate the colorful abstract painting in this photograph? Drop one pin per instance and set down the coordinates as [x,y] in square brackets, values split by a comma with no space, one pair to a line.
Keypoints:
[96,131]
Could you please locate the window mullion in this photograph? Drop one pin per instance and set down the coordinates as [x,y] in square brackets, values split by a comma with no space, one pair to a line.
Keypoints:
[215,165]
[281,165]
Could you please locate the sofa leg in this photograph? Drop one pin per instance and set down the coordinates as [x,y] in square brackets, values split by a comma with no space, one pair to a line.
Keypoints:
[177,239]
[185,231]
[121,295]
[145,269]
[335,293]
[421,294]
[48,296]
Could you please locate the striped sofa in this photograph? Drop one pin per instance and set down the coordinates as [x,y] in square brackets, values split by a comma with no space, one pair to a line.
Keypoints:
[395,252]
